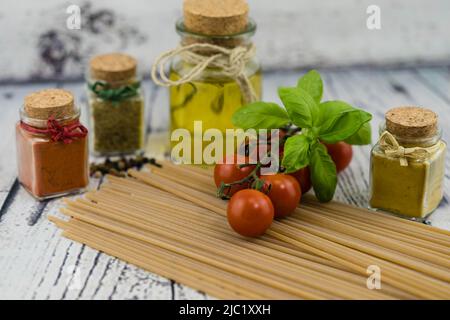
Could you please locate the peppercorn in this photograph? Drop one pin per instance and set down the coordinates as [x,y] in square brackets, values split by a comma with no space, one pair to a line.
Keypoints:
[120,166]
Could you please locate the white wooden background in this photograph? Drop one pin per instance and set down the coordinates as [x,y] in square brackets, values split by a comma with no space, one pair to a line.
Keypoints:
[36,44]
[37,263]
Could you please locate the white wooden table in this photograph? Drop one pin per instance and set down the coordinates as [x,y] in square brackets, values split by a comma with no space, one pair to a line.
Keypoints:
[37,263]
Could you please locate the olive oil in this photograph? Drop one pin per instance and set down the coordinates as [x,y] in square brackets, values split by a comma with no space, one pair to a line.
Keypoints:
[213,72]
[212,101]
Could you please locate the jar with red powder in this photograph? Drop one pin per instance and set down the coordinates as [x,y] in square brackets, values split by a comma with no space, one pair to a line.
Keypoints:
[52,146]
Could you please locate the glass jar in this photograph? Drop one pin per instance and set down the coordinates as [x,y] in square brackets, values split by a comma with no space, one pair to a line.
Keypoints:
[212,97]
[211,74]
[116,106]
[407,172]
[52,151]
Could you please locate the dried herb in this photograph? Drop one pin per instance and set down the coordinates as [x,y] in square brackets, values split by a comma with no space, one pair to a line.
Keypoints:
[118,127]
[120,166]
[188,98]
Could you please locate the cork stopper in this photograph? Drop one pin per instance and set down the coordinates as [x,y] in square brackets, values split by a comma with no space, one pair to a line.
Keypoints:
[216,17]
[113,67]
[50,102]
[412,122]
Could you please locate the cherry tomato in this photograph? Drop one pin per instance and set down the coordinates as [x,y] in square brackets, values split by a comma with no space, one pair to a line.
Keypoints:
[341,153]
[229,172]
[284,192]
[250,213]
[304,179]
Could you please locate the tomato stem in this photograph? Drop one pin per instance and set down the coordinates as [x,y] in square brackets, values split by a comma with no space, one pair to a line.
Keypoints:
[252,178]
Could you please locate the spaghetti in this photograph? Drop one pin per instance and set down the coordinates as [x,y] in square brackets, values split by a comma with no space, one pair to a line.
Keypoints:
[169,221]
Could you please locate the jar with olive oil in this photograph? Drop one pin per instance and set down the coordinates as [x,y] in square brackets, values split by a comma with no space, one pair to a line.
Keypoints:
[214,71]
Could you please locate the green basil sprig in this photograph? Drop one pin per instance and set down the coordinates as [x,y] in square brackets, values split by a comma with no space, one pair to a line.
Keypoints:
[260,115]
[105,92]
[329,122]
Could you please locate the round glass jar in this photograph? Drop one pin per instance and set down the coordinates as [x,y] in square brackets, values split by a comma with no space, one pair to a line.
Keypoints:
[117,109]
[407,173]
[52,154]
[212,97]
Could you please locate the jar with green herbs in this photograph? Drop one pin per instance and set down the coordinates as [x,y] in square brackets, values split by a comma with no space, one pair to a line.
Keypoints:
[408,163]
[116,103]
[214,71]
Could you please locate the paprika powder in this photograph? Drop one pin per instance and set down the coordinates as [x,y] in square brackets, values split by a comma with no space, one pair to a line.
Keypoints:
[52,147]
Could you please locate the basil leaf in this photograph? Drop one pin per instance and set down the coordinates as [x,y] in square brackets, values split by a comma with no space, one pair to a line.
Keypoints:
[340,121]
[312,83]
[330,109]
[296,153]
[323,173]
[301,107]
[260,115]
[362,137]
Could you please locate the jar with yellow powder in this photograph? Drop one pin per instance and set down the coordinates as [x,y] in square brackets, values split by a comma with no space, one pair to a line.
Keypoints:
[408,163]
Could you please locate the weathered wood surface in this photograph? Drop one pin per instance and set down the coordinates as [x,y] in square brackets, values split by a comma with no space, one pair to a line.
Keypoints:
[37,263]
[291,33]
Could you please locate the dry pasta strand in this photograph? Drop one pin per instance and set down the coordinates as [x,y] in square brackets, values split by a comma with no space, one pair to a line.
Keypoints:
[168,221]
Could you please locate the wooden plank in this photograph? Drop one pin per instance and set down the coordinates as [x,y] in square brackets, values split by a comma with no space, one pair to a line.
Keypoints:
[23,245]
[435,79]
[39,264]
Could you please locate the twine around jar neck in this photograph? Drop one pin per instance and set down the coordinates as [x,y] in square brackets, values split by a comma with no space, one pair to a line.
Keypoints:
[57,131]
[390,146]
[231,63]
[115,94]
